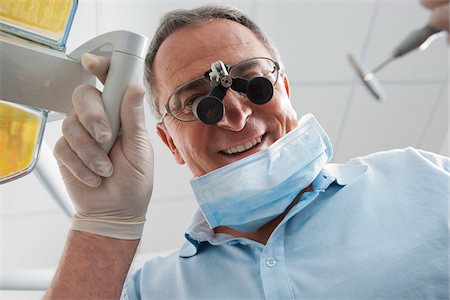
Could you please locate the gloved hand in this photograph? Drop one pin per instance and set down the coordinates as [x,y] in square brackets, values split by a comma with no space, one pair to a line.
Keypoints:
[439,18]
[110,194]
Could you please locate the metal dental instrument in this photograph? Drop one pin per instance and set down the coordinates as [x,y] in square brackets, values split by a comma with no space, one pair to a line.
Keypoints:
[420,38]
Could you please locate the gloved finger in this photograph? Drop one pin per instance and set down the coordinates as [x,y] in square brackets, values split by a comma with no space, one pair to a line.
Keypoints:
[433,3]
[96,65]
[68,160]
[88,105]
[135,139]
[439,17]
[85,147]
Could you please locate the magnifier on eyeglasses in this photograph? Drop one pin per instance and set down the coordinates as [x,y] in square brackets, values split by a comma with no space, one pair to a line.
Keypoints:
[36,76]
[209,108]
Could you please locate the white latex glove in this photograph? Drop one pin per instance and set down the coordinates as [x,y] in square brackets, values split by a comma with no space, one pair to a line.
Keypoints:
[439,18]
[110,194]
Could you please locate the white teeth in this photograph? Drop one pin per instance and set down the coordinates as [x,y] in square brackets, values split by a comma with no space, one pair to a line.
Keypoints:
[248,145]
[243,147]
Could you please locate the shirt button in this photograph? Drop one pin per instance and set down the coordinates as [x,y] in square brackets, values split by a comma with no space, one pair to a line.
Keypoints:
[271,262]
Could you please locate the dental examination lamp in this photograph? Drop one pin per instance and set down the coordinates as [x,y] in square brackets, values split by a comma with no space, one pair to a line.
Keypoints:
[420,38]
[36,76]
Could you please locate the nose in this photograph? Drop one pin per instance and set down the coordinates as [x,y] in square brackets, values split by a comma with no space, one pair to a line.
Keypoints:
[237,111]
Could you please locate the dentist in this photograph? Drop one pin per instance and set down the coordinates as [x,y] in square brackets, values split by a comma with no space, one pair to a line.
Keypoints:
[275,220]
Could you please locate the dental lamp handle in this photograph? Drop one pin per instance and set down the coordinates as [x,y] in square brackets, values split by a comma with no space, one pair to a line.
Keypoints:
[414,40]
[125,69]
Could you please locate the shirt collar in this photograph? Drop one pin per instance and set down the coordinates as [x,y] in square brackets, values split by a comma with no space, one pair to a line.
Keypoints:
[199,230]
[345,173]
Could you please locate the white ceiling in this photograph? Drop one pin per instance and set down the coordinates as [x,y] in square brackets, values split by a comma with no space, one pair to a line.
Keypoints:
[313,38]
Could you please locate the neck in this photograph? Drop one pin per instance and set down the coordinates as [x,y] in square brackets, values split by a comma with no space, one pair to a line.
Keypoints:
[263,233]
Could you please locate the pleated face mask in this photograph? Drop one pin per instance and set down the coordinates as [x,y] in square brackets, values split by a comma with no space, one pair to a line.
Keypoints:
[250,192]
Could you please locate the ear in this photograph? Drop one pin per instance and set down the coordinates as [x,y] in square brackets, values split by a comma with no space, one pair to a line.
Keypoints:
[286,84]
[167,139]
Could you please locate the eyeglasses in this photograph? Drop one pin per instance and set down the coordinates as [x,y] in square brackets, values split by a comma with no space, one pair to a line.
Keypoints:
[179,104]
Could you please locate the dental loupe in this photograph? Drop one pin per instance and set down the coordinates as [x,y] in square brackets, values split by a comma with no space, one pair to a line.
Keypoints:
[210,109]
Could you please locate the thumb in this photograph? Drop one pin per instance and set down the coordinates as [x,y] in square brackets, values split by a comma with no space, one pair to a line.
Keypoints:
[135,139]
[96,65]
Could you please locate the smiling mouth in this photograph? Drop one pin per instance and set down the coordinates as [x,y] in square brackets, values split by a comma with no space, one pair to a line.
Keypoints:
[243,147]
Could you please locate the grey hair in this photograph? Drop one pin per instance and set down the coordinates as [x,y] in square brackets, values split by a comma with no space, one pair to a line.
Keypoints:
[178,18]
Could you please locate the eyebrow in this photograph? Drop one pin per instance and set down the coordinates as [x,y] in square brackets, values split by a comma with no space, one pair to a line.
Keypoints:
[199,81]
[243,65]
[193,84]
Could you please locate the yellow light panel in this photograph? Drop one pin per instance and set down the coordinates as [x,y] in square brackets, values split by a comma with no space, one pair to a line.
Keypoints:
[42,17]
[19,131]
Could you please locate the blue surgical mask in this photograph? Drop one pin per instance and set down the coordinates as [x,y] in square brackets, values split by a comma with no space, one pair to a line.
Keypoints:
[250,192]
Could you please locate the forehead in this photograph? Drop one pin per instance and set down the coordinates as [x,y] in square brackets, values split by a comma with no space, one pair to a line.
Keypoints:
[189,51]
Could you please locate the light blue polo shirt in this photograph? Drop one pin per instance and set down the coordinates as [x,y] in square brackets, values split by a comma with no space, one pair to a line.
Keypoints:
[373,228]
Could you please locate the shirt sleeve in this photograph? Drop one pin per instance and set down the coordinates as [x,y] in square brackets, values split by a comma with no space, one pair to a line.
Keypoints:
[131,289]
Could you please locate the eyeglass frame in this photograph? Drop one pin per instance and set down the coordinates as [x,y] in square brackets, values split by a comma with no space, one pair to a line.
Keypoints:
[166,106]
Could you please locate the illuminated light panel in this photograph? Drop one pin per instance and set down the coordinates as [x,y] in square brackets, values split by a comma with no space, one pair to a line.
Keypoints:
[20,131]
[44,21]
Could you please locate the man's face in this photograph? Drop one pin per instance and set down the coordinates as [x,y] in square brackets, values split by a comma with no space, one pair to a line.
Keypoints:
[185,55]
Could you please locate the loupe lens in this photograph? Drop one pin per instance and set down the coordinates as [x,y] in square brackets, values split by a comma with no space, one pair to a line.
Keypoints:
[208,109]
[260,90]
